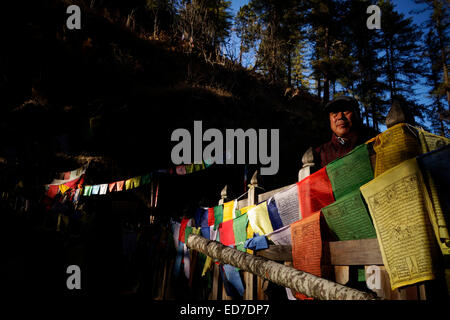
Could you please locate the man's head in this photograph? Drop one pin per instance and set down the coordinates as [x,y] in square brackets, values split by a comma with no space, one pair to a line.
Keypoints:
[343,114]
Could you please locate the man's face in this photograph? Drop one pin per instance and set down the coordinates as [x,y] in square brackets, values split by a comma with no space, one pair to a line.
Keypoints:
[341,121]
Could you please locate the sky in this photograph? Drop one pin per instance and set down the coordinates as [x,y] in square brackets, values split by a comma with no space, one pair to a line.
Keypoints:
[407,7]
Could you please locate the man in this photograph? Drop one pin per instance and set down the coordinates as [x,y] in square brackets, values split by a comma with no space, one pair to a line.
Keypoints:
[347,128]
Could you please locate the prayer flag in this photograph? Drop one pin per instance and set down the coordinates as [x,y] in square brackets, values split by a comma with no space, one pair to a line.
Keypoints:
[287,205]
[181,169]
[210,216]
[228,210]
[120,185]
[430,142]
[348,218]
[201,217]
[183,226]
[136,181]
[146,178]
[218,216]
[314,192]
[112,187]
[349,172]
[274,216]
[281,237]
[397,204]
[436,171]
[259,219]
[226,233]
[95,189]
[103,188]
[307,246]
[240,231]
[87,191]
[234,278]
[63,188]
[395,145]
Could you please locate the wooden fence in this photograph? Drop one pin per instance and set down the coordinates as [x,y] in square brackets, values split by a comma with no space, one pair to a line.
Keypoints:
[346,258]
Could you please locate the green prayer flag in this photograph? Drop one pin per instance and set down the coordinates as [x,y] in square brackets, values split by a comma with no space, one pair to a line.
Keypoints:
[145,179]
[218,216]
[240,231]
[349,219]
[188,231]
[350,171]
[361,275]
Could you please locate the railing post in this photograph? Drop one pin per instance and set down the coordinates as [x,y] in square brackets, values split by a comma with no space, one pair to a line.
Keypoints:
[223,198]
[308,163]
[249,277]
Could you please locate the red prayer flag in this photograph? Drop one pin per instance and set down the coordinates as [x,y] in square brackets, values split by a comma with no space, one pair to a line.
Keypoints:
[210,216]
[314,192]
[226,233]
[183,225]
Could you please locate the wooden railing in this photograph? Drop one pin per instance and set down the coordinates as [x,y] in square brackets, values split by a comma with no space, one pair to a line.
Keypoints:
[346,256]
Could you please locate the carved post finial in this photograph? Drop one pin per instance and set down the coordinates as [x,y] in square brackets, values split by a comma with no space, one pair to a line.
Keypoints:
[224,194]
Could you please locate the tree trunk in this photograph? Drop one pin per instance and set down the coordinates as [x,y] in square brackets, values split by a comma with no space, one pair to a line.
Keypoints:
[443,56]
[280,274]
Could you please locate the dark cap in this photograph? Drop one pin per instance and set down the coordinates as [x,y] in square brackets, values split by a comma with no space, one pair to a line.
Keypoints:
[342,101]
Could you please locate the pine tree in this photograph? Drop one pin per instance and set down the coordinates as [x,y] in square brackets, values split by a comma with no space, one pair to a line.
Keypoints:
[206,24]
[362,72]
[439,24]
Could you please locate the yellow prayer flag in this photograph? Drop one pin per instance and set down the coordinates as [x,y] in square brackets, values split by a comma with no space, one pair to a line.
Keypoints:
[63,188]
[207,265]
[259,219]
[430,142]
[395,145]
[398,208]
[228,210]
[136,181]
[128,184]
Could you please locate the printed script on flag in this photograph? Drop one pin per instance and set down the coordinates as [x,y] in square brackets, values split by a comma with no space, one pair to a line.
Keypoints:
[398,209]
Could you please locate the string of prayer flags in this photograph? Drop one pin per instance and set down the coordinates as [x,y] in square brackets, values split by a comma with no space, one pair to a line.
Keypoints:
[259,219]
[350,172]
[436,172]
[348,218]
[397,205]
[395,145]
[307,247]
[314,192]
[430,142]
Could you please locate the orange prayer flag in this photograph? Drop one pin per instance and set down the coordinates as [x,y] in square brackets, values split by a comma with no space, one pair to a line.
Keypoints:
[307,254]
